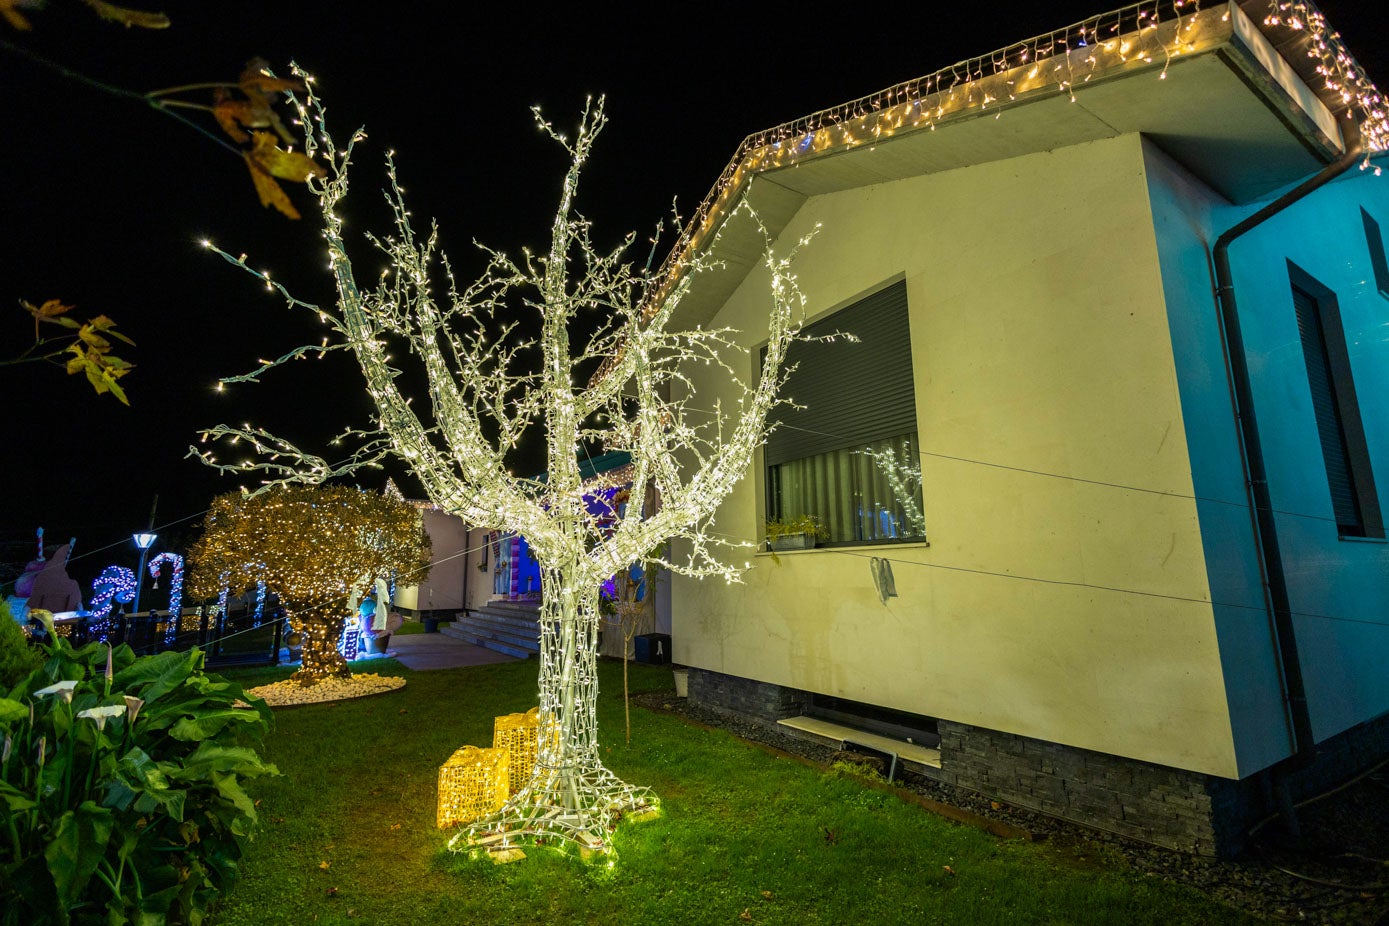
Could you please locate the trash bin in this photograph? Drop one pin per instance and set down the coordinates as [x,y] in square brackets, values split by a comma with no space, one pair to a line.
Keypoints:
[653,649]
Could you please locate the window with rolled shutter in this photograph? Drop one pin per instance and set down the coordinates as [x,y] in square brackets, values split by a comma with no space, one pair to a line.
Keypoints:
[847,456]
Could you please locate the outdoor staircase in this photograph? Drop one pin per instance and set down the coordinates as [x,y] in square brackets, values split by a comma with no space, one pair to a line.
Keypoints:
[510,627]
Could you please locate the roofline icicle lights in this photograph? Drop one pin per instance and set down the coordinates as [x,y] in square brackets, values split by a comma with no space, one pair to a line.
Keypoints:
[1150,32]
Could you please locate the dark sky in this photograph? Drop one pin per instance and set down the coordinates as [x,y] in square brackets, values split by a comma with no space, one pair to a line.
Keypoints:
[104,200]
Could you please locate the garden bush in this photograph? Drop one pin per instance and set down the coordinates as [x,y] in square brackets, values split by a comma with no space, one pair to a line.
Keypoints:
[121,786]
[17,657]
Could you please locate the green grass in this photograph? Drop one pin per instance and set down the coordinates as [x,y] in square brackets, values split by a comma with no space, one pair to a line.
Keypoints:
[740,830]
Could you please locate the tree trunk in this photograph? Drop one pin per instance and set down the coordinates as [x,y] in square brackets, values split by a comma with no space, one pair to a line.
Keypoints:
[321,629]
[570,796]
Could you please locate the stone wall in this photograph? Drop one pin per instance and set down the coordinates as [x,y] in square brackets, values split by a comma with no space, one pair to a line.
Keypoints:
[1165,806]
[744,696]
[1169,807]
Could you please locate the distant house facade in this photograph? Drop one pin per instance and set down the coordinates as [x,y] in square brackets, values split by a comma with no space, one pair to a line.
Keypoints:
[1044,564]
[445,591]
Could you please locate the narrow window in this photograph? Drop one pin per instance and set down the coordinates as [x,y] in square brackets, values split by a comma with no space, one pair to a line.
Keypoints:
[1376,244]
[1337,411]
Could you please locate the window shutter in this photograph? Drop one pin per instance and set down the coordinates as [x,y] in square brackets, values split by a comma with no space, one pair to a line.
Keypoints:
[852,393]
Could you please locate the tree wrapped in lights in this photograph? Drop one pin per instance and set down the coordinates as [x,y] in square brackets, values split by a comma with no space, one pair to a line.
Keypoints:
[314,545]
[622,390]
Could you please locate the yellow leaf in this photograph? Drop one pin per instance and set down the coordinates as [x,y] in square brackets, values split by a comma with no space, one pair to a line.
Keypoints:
[50,308]
[231,115]
[127,17]
[323,865]
[91,337]
[270,192]
[107,326]
[11,16]
[287,165]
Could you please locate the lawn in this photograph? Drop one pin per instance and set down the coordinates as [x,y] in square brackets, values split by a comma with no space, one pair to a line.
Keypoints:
[348,832]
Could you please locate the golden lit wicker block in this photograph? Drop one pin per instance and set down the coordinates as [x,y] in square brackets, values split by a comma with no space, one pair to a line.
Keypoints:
[516,733]
[472,783]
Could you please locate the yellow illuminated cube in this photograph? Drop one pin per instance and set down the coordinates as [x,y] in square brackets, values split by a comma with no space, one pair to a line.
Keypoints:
[472,783]
[516,733]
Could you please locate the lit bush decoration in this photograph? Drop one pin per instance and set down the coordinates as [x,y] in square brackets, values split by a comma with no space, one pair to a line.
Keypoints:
[472,783]
[115,583]
[312,544]
[175,591]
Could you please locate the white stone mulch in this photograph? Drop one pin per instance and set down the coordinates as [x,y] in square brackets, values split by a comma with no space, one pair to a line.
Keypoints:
[288,693]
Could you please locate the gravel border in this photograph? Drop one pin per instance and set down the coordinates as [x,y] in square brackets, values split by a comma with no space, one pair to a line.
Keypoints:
[1345,838]
[289,693]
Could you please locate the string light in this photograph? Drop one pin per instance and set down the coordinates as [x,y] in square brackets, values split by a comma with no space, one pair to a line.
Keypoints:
[485,395]
[116,583]
[175,591]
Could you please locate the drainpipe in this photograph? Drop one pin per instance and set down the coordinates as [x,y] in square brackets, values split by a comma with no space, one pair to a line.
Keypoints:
[1261,508]
[467,566]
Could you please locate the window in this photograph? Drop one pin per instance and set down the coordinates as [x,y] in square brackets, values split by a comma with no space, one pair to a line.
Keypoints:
[849,455]
[1376,244]
[1339,427]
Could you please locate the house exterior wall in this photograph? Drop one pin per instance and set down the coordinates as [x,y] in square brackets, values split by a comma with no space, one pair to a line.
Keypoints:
[1053,602]
[1339,588]
[442,591]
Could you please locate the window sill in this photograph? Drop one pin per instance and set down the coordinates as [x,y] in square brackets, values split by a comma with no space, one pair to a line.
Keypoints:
[1352,538]
[854,548]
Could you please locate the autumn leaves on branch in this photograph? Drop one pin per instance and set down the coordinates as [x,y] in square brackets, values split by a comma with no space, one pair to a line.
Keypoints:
[244,109]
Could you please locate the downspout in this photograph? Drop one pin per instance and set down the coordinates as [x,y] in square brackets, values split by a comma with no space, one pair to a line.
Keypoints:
[467,545]
[1261,507]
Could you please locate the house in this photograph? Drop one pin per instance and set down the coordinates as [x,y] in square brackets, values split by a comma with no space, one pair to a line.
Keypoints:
[445,591]
[1102,543]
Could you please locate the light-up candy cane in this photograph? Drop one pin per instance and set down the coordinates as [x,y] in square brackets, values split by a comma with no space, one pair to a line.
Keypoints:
[115,582]
[175,591]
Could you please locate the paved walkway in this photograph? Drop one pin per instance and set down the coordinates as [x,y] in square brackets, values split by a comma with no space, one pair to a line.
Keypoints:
[422,651]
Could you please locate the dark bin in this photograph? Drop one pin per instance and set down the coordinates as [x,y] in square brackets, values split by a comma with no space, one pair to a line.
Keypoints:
[653,649]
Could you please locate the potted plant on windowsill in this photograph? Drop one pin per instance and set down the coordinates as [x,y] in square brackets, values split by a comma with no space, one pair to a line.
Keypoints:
[798,533]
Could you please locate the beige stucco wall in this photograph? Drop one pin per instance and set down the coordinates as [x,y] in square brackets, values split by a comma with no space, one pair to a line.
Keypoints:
[1070,609]
[443,589]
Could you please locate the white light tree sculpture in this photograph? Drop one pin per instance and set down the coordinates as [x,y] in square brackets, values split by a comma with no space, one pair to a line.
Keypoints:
[483,397]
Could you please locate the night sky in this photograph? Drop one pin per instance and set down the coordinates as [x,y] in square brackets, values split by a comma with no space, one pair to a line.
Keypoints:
[104,200]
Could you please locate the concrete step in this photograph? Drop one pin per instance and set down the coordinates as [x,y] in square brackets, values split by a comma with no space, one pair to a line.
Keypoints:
[514,622]
[512,636]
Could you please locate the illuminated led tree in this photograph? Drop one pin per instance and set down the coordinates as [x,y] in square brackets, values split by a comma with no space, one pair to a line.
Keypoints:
[314,545]
[597,370]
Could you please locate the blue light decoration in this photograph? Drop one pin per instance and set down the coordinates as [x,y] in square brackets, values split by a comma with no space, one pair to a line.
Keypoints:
[351,634]
[260,604]
[222,601]
[115,582]
[175,591]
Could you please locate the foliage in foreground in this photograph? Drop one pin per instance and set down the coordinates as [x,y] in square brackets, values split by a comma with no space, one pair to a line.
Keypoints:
[740,831]
[17,657]
[121,787]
